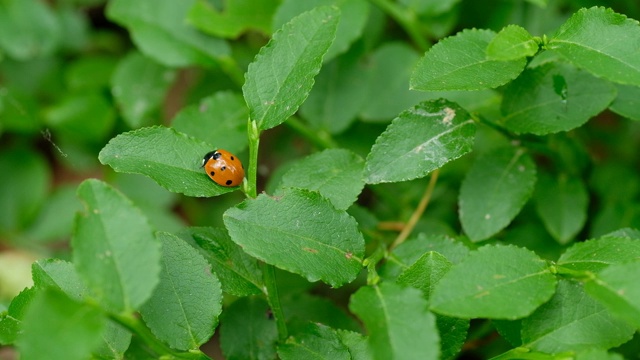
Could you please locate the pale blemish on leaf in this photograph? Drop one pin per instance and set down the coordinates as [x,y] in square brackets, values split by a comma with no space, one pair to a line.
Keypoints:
[449,114]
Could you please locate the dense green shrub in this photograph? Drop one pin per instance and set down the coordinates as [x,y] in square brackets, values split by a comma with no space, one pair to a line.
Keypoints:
[441,179]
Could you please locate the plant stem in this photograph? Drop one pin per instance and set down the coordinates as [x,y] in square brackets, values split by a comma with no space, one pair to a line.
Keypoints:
[411,224]
[268,271]
[138,328]
[319,138]
[271,289]
[407,20]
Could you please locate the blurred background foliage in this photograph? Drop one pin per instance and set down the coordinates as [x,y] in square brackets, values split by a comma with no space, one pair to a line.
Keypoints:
[72,77]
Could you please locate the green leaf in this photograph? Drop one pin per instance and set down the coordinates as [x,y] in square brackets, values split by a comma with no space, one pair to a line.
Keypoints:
[60,328]
[238,272]
[114,249]
[411,250]
[170,158]
[90,73]
[316,341]
[353,18]
[425,273]
[389,69]
[55,218]
[219,119]
[512,42]
[429,8]
[627,103]
[494,191]
[561,202]
[453,334]
[159,30]
[340,91]
[60,275]
[335,173]
[247,332]
[572,321]
[300,232]
[183,310]
[20,113]
[486,283]
[618,289]
[281,76]
[238,17]
[115,342]
[398,322]
[69,117]
[22,193]
[11,320]
[554,97]
[28,29]
[460,62]
[139,86]
[420,140]
[302,308]
[596,255]
[601,42]
[357,344]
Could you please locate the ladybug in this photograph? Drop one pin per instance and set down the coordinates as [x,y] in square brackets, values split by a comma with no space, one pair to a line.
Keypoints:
[223,167]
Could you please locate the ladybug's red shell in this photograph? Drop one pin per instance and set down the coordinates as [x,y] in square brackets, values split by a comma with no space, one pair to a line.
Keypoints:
[223,167]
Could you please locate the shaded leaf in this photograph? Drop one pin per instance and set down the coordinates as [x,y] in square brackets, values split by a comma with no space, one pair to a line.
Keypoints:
[159,30]
[219,119]
[494,191]
[42,35]
[140,86]
[238,17]
[561,203]
[389,68]
[353,18]
[238,272]
[247,332]
[627,103]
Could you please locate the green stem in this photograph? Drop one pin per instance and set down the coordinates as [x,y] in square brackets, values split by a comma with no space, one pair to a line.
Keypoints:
[138,328]
[580,275]
[268,271]
[320,138]
[269,278]
[407,20]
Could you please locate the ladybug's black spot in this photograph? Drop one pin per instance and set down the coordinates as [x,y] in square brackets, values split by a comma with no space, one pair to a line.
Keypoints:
[232,158]
[223,168]
[228,182]
[212,173]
